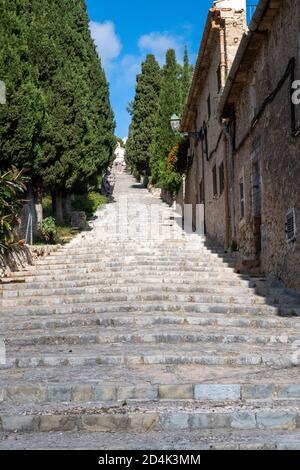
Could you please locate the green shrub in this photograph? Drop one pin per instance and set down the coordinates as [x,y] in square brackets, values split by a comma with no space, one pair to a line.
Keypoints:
[169,180]
[171,169]
[49,230]
[88,203]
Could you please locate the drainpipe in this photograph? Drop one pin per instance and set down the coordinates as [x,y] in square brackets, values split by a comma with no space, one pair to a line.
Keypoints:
[230,180]
[226,195]
[203,184]
[223,63]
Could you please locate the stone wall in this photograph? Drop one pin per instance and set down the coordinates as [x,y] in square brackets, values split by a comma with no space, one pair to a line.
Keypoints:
[274,149]
[200,175]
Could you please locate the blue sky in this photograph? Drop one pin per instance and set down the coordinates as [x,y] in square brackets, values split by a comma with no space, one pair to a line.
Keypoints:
[126,31]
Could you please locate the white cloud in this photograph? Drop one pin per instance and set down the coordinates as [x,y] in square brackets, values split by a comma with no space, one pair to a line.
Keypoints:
[107,41]
[129,67]
[158,43]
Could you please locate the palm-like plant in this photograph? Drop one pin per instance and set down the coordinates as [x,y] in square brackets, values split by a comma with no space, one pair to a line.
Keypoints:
[12,187]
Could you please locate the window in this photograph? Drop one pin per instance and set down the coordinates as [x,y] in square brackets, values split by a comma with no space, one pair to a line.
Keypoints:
[208,106]
[291,225]
[215,186]
[242,199]
[219,78]
[221,177]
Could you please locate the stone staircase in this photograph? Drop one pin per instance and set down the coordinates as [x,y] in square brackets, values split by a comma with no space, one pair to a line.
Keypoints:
[137,336]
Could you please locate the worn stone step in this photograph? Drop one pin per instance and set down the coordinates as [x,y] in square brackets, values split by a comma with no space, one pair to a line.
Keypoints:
[147,283]
[130,321]
[163,334]
[210,356]
[143,307]
[123,271]
[126,277]
[152,374]
[150,417]
[123,264]
[136,297]
[113,258]
[124,289]
[156,440]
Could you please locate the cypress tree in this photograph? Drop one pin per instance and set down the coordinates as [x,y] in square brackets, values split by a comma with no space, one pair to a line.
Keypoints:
[143,109]
[78,136]
[22,116]
[58,120]
[169,103]
[186,77]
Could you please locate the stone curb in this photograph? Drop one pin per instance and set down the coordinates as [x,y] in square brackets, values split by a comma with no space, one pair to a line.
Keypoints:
[107,393]
[152,421]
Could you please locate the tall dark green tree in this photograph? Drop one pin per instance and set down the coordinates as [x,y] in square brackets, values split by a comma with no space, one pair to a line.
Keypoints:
[78,136]
[22,116]
[186,78]
[58,120]
[169,103]
[143,109]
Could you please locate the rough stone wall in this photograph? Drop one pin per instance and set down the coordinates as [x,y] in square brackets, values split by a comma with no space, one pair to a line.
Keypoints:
[235,24]
[277,152]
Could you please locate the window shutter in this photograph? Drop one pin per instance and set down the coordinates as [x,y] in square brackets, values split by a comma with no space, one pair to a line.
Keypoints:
[291,226]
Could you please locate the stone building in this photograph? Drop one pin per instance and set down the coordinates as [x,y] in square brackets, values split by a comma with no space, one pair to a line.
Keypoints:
[245,166]
[263,127]
[205,178]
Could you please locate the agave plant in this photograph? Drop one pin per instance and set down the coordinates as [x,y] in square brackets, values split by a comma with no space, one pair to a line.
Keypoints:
[12,187]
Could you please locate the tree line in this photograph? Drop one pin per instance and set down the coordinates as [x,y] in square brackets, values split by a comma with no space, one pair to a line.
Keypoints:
[57,123]
[152,149]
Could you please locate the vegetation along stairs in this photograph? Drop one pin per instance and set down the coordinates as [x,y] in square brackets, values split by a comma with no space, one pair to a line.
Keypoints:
[124,340]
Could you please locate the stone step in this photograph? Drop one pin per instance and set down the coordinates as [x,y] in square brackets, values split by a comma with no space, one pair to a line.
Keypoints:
[254,439]
[110,256]
[130,262]
[86,298]
[222,355]
[126,276]
[151,417]
[163,334]
[123,289]
[149,283]
[137,292]
[143,307]
[125,270]
[143,321]
[152,374]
